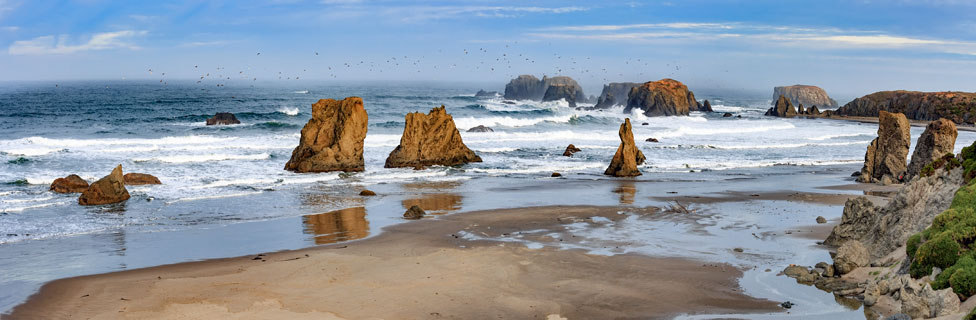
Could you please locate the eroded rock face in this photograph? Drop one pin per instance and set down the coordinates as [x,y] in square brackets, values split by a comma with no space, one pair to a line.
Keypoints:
[223,118]
[959,107]
[561,92]
[938,139]
[911,210]
[615,93]
[804,94]
[851,255]
[70,184]
[333,139]
[110,189]
[885,159]
[135,179]
[665,97]
[430,139]
[628,157]
[783,108]
[528,87]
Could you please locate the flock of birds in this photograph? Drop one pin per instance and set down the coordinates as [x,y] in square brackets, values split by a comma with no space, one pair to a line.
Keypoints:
[480,60]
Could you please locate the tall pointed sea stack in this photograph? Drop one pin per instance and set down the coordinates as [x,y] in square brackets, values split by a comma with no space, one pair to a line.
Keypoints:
[938,139]
[110,189]
[430,139]
[783,108]
[628,157]
[333,139]
[885,159]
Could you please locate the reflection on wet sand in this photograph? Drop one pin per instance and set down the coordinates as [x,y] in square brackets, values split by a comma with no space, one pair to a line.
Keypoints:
[627,190]
[436,203]
[339,225]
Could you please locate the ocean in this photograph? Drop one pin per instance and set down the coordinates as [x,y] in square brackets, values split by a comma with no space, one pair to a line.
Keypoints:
[225,192]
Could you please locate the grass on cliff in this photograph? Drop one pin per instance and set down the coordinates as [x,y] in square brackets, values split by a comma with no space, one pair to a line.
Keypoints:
[950,242]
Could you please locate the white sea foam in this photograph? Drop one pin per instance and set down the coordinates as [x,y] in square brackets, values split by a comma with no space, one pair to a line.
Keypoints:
[841,135]
[217,196]
[204,158]
[301,92]
[289,111]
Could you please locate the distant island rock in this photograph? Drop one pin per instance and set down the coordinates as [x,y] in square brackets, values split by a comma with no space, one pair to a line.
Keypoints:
[107,190]
[804,95]
[430,139]
[485,94]
[783,108]
[615,93]
[960,107]
[528,87]
[561,92]
[666,97]
[332,140]
[628,156]
[223,118]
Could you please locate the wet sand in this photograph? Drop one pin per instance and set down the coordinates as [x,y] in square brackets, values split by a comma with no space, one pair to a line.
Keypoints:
[425,269]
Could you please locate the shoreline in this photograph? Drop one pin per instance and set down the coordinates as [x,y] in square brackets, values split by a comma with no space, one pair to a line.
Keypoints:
[415,270]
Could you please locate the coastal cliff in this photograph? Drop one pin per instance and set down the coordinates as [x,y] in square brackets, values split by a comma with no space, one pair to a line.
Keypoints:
[959,107]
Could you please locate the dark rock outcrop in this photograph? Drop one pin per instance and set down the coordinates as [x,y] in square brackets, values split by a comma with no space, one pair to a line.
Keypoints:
[110,189]
[415,212]
[430,139]
[938,139]
[528,87]
[628,156]
[333,139]
[481,128]
[486,94]
[570,150]
[135,179]
[556,175]
[800,109]
[615,93]
[960,107]
[223,118]
[706,107]
[783,108]
[885,159]
[804,94]
[665,97]
[367,193]
[813,111]
[561,92]
[726,115]
[70,184]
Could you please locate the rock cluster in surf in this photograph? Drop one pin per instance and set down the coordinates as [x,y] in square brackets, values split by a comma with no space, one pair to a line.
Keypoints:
[885,159]
[223,118]
[110,189]
[528,87]
[783,108]
[628,156]
[666,97]
[333,139]
[430,139]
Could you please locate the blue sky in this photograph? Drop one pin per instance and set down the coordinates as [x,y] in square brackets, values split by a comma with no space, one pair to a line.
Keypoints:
[848,47]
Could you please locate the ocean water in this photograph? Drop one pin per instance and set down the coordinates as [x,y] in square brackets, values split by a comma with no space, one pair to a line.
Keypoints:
[217,177]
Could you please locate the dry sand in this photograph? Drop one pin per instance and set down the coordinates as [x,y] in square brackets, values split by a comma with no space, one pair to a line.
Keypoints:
[413,270]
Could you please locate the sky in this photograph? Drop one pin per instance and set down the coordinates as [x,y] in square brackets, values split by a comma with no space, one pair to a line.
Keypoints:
[847,47]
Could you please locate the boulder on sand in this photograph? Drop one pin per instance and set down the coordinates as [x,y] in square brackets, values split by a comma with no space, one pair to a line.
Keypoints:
[110,189]
[628,157]
[430,139]
[414,213]
[783,108]
[333,139]
[70,184]
[938,139]
[570,150]
[135,179]
[223,118]
[885,159]
[851,255]
[666,97]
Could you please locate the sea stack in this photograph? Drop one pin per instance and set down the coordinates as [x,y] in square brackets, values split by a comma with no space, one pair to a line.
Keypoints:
[959,107]
[223,118]
[804,94]
[628,157]
[70,184]
[561,92]
[430,139]
[333,139]
[783,108]
[110,189]
[885,159]
[666,97]
[528,87]
[615,93]
[938,139]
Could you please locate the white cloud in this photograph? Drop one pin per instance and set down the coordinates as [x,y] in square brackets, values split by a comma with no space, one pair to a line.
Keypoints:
[10,28]
[204,43]
[59,45]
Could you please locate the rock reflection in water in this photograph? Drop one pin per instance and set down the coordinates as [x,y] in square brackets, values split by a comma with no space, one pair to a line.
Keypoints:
[627,190]
[437,203]
[336,226]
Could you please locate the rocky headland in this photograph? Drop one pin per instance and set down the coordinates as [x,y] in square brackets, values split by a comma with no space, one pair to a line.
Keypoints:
[959,107]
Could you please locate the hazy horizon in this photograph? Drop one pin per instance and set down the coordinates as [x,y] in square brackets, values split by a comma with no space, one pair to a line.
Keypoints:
[849,49]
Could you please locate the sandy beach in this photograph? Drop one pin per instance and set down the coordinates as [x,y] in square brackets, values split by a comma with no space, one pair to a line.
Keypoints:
[415,270]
